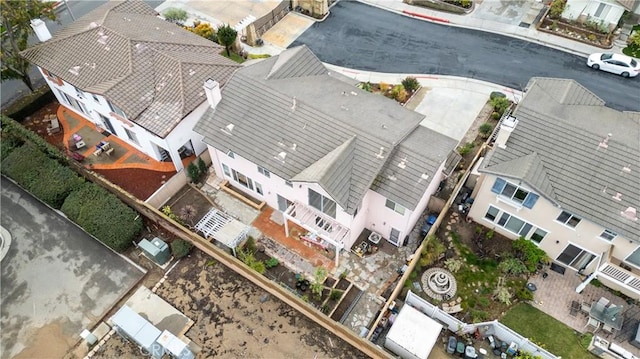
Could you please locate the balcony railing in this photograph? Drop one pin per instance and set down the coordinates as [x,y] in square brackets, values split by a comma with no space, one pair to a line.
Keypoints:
[621,276]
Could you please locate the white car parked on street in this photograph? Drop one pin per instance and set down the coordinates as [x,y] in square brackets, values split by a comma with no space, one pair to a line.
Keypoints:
[615,63]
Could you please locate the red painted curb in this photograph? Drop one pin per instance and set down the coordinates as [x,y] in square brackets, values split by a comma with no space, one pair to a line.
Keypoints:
[432,18]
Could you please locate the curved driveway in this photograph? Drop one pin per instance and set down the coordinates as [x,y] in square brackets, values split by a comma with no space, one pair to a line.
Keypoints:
[363,37]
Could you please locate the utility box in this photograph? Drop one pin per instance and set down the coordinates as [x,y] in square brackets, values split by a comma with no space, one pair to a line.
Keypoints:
[156,250]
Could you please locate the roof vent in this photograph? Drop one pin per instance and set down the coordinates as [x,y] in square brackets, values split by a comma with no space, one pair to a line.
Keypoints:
[403,163]
[383,126]
[103,39]
[392,177]
[228,129]
[281,156]
[93,25]
[294,103]
[345,108]
[75,70]
[630,213]
[626,168]
[354,93]
[294,146]
[618,196]
[379,154]
[605,141]
[192,72]
[424,176]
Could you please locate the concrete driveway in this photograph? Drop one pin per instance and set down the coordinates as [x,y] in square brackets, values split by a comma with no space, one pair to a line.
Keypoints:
[56,279]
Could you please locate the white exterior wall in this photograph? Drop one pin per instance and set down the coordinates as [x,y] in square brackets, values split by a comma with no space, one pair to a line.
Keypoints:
[372,213]
[585,235]
[575,8]
[146,141]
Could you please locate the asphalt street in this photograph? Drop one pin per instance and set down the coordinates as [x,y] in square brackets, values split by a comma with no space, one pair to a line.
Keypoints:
[363,37]
[56,279]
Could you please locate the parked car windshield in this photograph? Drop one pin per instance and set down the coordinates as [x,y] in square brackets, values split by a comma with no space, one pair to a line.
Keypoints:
[606,56]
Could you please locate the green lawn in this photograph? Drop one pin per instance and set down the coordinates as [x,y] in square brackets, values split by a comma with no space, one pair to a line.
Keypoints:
[235,57]
[545,331]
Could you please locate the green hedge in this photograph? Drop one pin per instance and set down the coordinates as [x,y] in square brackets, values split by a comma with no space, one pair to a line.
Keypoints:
[41,176]
[41,169]
[103,215]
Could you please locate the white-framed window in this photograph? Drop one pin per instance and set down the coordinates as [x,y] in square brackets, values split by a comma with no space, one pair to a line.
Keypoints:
[514,224]
[608,235]
[242,179]
[116,110]
[602,11]
[288,183]
[575,257]
[95,98]
[322,203]
[63,96]
[514,193]
[568,219]
[258,188]
[263,171]
[394,206]
[132,136]
[538,235]
[226,170]
[231,154]
[634,258]
[492,213]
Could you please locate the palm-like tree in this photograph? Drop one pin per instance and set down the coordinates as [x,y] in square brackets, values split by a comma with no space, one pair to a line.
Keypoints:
[227,36]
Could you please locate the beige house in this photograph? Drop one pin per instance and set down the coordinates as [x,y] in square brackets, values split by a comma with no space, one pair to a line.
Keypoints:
[564,172]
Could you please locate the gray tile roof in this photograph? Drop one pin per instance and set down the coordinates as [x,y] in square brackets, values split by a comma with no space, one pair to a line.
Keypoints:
[151,69]
[332,132]
[555,149]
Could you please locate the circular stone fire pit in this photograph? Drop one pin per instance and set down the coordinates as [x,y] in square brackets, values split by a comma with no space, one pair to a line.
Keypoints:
[439,283]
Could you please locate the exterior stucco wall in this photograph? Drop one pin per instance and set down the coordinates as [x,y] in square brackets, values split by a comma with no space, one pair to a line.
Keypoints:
[372,213]
[575,8]
[585,235]
[146,141]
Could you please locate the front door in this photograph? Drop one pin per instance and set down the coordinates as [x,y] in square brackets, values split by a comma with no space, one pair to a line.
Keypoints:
[394,237]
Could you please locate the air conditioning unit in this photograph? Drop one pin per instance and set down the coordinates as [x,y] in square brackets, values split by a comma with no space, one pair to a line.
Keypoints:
[157,250]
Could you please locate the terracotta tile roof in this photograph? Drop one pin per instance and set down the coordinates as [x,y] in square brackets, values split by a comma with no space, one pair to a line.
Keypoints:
[152,69]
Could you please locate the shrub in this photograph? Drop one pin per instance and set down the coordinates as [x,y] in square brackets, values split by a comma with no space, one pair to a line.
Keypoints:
[43,177]
[193,172]
[496,94]
[344,274]
[176,16]
[529,253]
[485,129]
[399,93]
[366,86]
[203,29]
[495,115]
[634,39]
[410,83]
[591,37]
[557,8]
[259,56]
[169,213]
[466,148]
[384,86]
[335,294]
[250,245]
[512,266]
[504,296]
[180,248]
[500,104]
[103,215]
[17,133]
[248,258]
[431,251]
[271,262]
[524,294]
[453,264]
[202,166]
[479,316]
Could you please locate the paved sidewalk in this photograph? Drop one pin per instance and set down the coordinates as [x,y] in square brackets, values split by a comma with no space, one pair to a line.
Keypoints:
[493,16]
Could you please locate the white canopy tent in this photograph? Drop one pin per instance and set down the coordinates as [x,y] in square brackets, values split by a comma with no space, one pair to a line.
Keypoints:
[413,334]
[223,228]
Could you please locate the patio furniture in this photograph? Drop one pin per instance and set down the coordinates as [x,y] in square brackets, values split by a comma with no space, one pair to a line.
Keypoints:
[585,307]
[607,314]
[575,308]
[77,137]
[607,328]
[460,348]
[54,126]
[451,346]
[80,144]
[593,323]
[109,151]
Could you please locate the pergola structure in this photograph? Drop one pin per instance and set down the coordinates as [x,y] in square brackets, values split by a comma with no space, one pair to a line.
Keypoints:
[223,228]
[318,223]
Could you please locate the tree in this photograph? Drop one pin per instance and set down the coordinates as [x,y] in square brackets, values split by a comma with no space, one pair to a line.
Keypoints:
[16,28]
[227,36]
[176,16]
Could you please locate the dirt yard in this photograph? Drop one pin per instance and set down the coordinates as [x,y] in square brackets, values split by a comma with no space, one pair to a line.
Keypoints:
[234,318]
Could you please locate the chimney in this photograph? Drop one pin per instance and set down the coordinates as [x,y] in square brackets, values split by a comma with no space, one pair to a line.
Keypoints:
[507,126]
[40,29]
[212,90]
